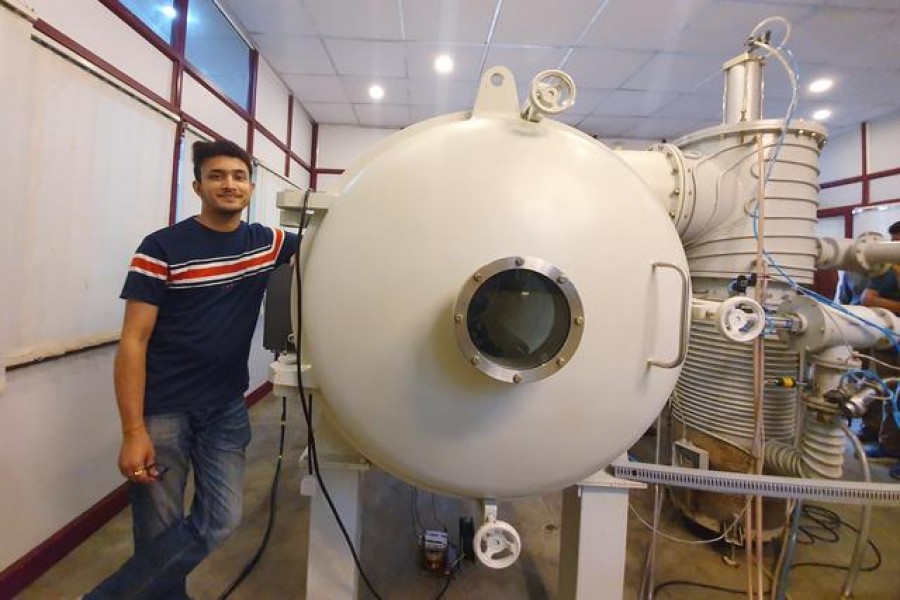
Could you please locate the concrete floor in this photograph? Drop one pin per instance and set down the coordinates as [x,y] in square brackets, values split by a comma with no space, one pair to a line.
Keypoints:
[389,551]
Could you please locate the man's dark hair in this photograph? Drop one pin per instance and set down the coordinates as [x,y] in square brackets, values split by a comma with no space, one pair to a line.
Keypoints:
[206,150]
[895,228]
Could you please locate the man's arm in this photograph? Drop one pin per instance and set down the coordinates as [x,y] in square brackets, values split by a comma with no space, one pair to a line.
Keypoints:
[872,298]
[130,379]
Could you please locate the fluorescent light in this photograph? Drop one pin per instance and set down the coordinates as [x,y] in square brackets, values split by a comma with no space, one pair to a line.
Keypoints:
[168,12]
[376,92]
[821,85]
[822,114]
[443,64]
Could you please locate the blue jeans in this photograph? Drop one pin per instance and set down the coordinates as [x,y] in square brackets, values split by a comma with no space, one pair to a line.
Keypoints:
[168,545]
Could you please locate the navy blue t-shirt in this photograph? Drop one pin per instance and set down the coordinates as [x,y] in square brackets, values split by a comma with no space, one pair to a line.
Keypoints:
[886,285]
[208,286]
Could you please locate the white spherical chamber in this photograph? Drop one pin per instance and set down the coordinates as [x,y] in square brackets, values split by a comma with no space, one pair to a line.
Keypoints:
[494,307]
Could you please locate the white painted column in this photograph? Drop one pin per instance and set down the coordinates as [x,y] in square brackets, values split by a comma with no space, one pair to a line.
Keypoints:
[593,536]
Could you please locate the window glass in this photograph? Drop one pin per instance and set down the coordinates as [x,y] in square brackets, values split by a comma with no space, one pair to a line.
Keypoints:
[158,15]
[519,318]
[217,50]
[876,218]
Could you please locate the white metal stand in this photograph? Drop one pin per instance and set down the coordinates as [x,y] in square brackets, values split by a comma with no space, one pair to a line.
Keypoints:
[331,573]
[592,540]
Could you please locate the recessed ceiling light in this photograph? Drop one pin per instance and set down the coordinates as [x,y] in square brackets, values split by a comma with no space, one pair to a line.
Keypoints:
[376,92]
[168,12]
[443,63]
[822,114]
[821,85]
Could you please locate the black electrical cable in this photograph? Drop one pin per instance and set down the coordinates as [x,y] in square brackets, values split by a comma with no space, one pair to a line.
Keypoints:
[451,574]
[832,522]
[445,588]
[705,586]
[307,406]
[248,568]
[824,521]
[825,528]
[312,455]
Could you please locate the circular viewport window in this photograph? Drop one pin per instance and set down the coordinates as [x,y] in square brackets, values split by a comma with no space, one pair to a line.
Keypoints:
[518,319]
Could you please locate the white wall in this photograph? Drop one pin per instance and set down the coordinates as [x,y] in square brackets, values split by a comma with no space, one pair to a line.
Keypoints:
[299,176]
[119,45]
[884,143]
[16,50]
[884,154]
[59,438]
[268,153]
[830,227]
[841,157]
[208,109]
[188,203]
[58,429]
[92,192]
[842,195]
[301,134]
[341,145]
[271,102]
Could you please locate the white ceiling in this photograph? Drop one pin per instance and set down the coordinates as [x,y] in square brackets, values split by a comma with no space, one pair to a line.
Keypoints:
[644,68]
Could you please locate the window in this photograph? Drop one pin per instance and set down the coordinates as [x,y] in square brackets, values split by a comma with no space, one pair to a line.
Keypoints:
[158,15]
[519,318]
[875,218]
[217,50]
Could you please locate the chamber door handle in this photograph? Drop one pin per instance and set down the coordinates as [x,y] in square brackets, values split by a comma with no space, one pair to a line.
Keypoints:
[683,327]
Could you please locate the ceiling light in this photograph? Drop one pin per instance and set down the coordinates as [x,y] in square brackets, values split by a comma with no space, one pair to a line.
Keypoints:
[168,12]
[822,114]
[443,63]
[376,92]
[821,85]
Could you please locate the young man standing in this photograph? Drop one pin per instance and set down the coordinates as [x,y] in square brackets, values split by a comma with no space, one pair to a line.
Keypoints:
[193,295]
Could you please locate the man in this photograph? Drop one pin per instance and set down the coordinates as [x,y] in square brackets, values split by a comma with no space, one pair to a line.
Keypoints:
[193,296]
[884,292]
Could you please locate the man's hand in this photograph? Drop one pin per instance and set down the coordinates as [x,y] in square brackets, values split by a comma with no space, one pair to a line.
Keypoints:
[135,455]
[130,370]
[872,298]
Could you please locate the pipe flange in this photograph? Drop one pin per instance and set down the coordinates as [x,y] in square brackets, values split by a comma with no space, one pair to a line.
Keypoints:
[683,191]
[859,253]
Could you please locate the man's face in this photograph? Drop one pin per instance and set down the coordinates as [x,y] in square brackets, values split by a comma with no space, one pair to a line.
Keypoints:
[895,237]
[224,186]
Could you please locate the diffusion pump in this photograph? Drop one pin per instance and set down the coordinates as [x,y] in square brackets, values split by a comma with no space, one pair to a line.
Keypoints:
[496,305]
[748,259]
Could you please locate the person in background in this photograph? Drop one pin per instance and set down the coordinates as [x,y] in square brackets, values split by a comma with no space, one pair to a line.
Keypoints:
[884,291]
[193,294]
